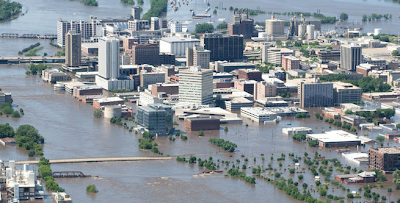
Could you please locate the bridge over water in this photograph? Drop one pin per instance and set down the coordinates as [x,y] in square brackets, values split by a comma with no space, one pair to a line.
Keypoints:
[88,160]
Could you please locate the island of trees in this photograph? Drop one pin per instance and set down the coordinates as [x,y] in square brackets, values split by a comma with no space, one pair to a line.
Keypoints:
[157,7]
[128,2]
[90,2]
[9,9]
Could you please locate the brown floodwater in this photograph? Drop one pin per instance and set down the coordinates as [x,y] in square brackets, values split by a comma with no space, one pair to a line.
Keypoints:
[70,131]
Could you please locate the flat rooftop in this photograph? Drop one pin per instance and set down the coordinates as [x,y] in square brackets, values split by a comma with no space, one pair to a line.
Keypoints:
[179,39]
[334,136]
[109,99]
[389,150]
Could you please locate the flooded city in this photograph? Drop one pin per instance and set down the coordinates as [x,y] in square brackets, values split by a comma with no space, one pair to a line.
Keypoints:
[283,168]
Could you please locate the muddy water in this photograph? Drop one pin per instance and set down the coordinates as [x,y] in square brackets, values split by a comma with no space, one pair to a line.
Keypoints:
[70,131]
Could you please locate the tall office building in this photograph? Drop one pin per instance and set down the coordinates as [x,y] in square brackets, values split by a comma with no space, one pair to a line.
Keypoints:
[155,23]
[223,47]
[109,58]
[146,54]
[350,56]
[315,94]
[196,86]
[72,49]
[109,66]
[135,15]
[198,56]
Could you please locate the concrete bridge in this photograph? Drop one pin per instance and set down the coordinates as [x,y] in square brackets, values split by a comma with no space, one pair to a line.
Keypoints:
[40,59]
[33,36]
[87,160]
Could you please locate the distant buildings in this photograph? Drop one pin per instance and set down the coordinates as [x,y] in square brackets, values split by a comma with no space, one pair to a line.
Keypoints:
[138,25]
[156,118]
[198,56]
[350,57]
[315,94]
[176,27]
[237,103]
[72,49]
[196,86]
[135,13]
[145,54]
[258,114]
[296,130]
[20,184]
[241,24]
[87,29]
[177,45]
[384,159]
[223,47]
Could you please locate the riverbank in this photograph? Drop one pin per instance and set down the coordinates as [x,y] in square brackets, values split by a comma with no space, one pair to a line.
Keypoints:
[9,10]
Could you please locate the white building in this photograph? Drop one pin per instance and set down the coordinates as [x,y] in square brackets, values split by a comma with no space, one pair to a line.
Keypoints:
[87,29]
[149,78]
[237,103]
[274,55]
[137,25]
[109,65]
[21,184]
[155,23]
[258,114]
[177,45]
[176,27]
[296,130]
[50,75]
[146,98]
[196,86]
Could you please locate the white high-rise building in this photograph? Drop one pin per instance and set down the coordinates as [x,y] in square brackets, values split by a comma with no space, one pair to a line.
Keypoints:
[155,23]
[87,29]
[109,66]
[109,58]
[176,27]
[196,86]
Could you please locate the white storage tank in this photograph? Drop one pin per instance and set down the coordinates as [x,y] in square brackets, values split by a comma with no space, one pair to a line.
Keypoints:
[112,111]
[301,31]
[310,31]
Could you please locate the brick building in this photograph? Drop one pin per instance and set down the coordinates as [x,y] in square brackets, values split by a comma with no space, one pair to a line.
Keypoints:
[290,62]
[384,159]
[166,88]
[87,90]
[202,123]
[249,74]
[247,86]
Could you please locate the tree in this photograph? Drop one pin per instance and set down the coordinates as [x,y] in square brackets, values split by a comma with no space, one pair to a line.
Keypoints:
[226,129]
[395,53]
[222,26]
[343,17]
[8,110]
[200,133]
[6,131]
[97,113]
[204,28]
[15,114]
[300,177]
[278,43]
[91,188]
[380,138]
